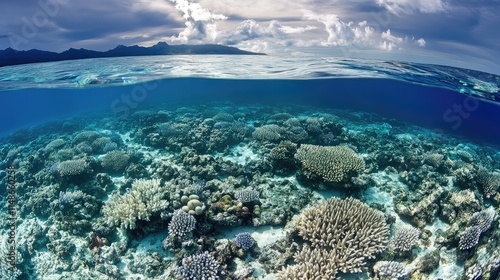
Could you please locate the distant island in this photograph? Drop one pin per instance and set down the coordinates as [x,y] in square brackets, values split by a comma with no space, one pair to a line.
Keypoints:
[10,56]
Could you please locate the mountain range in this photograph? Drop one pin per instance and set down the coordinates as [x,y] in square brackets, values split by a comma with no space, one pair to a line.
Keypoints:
[10,56]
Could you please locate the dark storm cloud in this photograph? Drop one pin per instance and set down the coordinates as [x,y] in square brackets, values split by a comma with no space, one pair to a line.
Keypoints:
[31,24]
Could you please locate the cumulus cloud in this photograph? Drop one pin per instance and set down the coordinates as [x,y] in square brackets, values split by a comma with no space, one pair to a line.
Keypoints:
[342,34]
[399,7]
[296,30]
[201,27]
[249,30]
[201,24]
[252,30]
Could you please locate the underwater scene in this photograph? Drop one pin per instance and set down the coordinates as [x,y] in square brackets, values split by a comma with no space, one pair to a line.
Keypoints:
[248,167]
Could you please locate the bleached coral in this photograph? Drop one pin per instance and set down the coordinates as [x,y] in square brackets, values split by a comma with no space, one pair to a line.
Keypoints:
[145,198]
[332,163]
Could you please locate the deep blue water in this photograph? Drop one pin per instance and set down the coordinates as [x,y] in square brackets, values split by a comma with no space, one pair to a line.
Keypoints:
[434,108]
[71,123]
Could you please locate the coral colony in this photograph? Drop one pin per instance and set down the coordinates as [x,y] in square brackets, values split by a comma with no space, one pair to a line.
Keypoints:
[226,192]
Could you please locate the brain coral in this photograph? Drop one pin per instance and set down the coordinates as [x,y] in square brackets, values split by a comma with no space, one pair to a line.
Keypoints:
[332,163]
[343,233]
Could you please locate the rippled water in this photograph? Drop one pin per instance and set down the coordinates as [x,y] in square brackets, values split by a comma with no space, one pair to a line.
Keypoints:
[82,136]
[130,70]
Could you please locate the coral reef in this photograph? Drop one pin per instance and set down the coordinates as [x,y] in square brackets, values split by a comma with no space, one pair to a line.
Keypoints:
[343,234]
[181,223]
[405,238]
[247,195]
[244,240]
[163,194]
[332,163]
[198,267]
[145,198]
[72,167]
[387,270]
[479,223]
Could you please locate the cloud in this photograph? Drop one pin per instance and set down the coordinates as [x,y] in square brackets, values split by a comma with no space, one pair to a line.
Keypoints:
[361,35]
[201,24]
[399,7]
[248,30]
[420,42]
[297,30]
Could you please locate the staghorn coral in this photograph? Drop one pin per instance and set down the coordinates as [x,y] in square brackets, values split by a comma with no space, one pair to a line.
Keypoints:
[181,223]
[483,219]
[145,198]
[343,233]
[311,263]
[72,167]
[405,238]
[247,195]
[489,181]
[284,151]
[389,270]
[55,144]
[200,266]
[115,161]
[332,163]
[480,222]
[469,238]
[434,159]
[270,132]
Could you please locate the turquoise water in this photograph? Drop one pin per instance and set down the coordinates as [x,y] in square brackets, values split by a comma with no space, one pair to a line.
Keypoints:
[101,157]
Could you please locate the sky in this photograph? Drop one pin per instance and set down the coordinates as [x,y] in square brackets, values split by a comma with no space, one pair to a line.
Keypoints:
[461,33]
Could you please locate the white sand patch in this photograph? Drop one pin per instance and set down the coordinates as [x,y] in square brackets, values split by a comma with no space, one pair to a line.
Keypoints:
[153,243]
[241,154]
[375,195]
[263,236]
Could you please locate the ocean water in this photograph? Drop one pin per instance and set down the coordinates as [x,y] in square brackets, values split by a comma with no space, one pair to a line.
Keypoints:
[248,167]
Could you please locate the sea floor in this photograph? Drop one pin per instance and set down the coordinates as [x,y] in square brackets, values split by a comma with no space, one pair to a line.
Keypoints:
[219,191]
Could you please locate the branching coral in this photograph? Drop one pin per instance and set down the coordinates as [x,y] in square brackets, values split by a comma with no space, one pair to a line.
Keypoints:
[332,163]
[270,132]
[343,233]
[244,240]
[480,222]
[181,223]
[199,266]
[247,195]
[72,167]
[144,199]
[389,270]
[489,181]
[405,238]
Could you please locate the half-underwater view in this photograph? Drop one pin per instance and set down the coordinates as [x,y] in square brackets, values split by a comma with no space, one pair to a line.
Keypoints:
[238,140]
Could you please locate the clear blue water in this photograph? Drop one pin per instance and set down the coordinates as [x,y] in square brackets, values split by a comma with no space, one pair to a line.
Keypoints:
[458,101]
[79,134]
